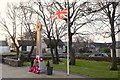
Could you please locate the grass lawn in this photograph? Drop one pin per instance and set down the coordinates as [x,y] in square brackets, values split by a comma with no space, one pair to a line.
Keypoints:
[95,69]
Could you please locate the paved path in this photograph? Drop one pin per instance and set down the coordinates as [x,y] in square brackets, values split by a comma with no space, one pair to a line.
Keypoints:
[22,72]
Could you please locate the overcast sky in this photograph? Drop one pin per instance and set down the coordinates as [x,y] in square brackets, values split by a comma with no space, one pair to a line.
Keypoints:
[3,4]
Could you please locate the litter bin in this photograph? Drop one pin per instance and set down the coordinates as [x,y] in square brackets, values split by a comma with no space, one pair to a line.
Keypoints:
[49,70]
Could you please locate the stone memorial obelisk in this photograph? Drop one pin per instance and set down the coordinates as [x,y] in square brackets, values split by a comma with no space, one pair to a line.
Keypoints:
[39,48]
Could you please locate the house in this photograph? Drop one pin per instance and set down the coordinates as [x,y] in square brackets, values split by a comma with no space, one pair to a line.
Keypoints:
[88,47]
[4,47]
[92,47]
[77,46]
[117,49]
[61,46]
[25,45]
[98,46]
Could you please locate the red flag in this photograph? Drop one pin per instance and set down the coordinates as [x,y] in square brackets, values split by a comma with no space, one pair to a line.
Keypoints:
[60,14]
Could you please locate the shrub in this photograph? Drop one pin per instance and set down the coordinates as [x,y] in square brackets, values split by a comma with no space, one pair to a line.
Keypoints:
[105,50]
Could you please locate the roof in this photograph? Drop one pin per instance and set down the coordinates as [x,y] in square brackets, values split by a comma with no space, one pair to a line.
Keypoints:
[26,43]
[117,45]
[91,45]
[78,44]
[100,45]
[47,41]
[3,43]
[108,45]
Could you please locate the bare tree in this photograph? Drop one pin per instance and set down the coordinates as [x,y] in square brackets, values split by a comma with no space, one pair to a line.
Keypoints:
[45,19]
[11,22]
[57,34]
[111,14]
[82,42]
[110,19]
[77,18]
[45,12]
[76,11]
[26,17]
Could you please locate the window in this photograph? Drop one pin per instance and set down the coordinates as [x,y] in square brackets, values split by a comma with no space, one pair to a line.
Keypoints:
[24,48]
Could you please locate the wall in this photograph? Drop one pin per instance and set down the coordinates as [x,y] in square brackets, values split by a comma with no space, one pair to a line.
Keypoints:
[4,49]
[29,48]
[117,52]
[60,50]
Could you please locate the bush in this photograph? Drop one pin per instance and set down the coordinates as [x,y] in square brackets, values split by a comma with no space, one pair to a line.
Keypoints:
[105,50]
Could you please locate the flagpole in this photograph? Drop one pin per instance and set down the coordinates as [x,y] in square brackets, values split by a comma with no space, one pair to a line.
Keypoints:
[68,40]
[68,34]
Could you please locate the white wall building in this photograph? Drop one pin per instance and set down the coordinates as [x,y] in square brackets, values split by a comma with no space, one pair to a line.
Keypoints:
[26,45]
[4,47]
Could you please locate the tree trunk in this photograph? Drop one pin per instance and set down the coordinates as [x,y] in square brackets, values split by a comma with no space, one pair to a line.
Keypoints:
[53,58]
[17,48]
[114,60]
[57,55]
[31,51]
[69,23]
[111,20]
[72,54]
[51,49]
[111,16]
[56,50]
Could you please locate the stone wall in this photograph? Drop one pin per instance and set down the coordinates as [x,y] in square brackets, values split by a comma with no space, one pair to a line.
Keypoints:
[13,62]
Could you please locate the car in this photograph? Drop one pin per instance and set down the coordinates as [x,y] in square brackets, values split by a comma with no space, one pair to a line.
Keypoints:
[98,55]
